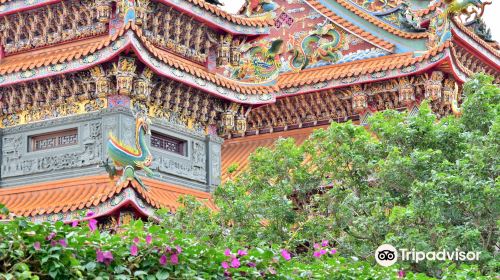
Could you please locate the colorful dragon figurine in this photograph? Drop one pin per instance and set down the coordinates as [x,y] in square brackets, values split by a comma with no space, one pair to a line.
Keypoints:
[127,160]
[323,44]
[262,62]
[463,7]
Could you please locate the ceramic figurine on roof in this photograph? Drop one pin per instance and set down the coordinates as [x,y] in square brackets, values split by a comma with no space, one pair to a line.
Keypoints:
[258,7]
[322,44]
[128,160]
[261,62]
[469,8]
[409,20]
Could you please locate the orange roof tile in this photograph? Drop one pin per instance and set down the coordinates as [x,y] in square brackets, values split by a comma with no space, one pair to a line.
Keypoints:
[349,26]
[238,150]
[67,52]
[52,55]
[249,21]
[348,69]
[354,68]
[426,11]
[476,38]
[80,193]
[363,14]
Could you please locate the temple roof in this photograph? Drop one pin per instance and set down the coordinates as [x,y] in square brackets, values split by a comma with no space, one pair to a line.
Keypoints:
[366,16]
[99,193]
[237,150]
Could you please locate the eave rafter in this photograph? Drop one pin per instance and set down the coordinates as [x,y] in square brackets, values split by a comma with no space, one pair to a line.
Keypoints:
[84,55]
[210,14]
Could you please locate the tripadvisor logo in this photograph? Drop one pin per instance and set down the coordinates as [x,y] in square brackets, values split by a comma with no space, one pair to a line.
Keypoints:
[387,255]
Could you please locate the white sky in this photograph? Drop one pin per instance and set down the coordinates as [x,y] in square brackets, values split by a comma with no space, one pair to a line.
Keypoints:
[491,15]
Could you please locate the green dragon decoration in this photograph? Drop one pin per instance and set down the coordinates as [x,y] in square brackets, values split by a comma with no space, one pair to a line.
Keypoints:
[462,7]
[322,44]
[126,159]
[262,63]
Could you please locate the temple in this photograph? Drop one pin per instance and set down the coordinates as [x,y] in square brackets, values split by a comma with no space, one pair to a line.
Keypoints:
[121,107]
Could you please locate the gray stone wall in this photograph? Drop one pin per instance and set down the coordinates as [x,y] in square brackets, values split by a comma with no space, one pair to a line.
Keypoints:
[198,168]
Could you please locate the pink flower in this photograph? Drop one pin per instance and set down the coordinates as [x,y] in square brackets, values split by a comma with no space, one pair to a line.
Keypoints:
[285,255]
[251,264]
[235,263]
[242,252]
[74,223]
[92,224]
[272,270]
[227,252]
[179,249]
[149,238]
[63,243]
[324,243]
[225,265]
[322,252]
[136,240]
[163,260]
[316,246]
[50,236]
[53,243]
[90,214]
[174,259]
[316,254]
[36,245]
[104,257]
[333,251]
[401,274]
[133,250]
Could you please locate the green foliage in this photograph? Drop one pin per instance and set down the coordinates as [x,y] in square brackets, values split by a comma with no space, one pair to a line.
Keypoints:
[411,181]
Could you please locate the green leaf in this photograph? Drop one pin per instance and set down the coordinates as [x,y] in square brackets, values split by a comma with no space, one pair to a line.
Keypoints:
[162,275]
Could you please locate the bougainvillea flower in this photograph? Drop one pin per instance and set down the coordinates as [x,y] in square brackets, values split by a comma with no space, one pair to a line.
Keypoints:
[163,260]
[36,245]
[251,264]
[90,214]
[333,251]
[322,252]
[242,252]
[149,239]
[92,224]
[63,243]
[133,250]
[50,236]
[227,252]
[104,257]
[174,259]
[224,265]
[324,243]
[179,249]
[285,255]
[53,243]
[99,256]
[316,254]
[401,274]
[316,246]
[74,223]
[136,240]
[235,263]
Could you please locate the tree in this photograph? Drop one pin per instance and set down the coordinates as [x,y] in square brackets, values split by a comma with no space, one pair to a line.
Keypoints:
[410,181]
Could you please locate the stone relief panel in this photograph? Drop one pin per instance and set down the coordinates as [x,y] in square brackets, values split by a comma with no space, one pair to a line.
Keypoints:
[192,166]
[18,161]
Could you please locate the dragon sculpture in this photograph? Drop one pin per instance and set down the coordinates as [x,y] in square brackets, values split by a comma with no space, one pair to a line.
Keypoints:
[262,63]
[126,159]
[466,7]
[323,44]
